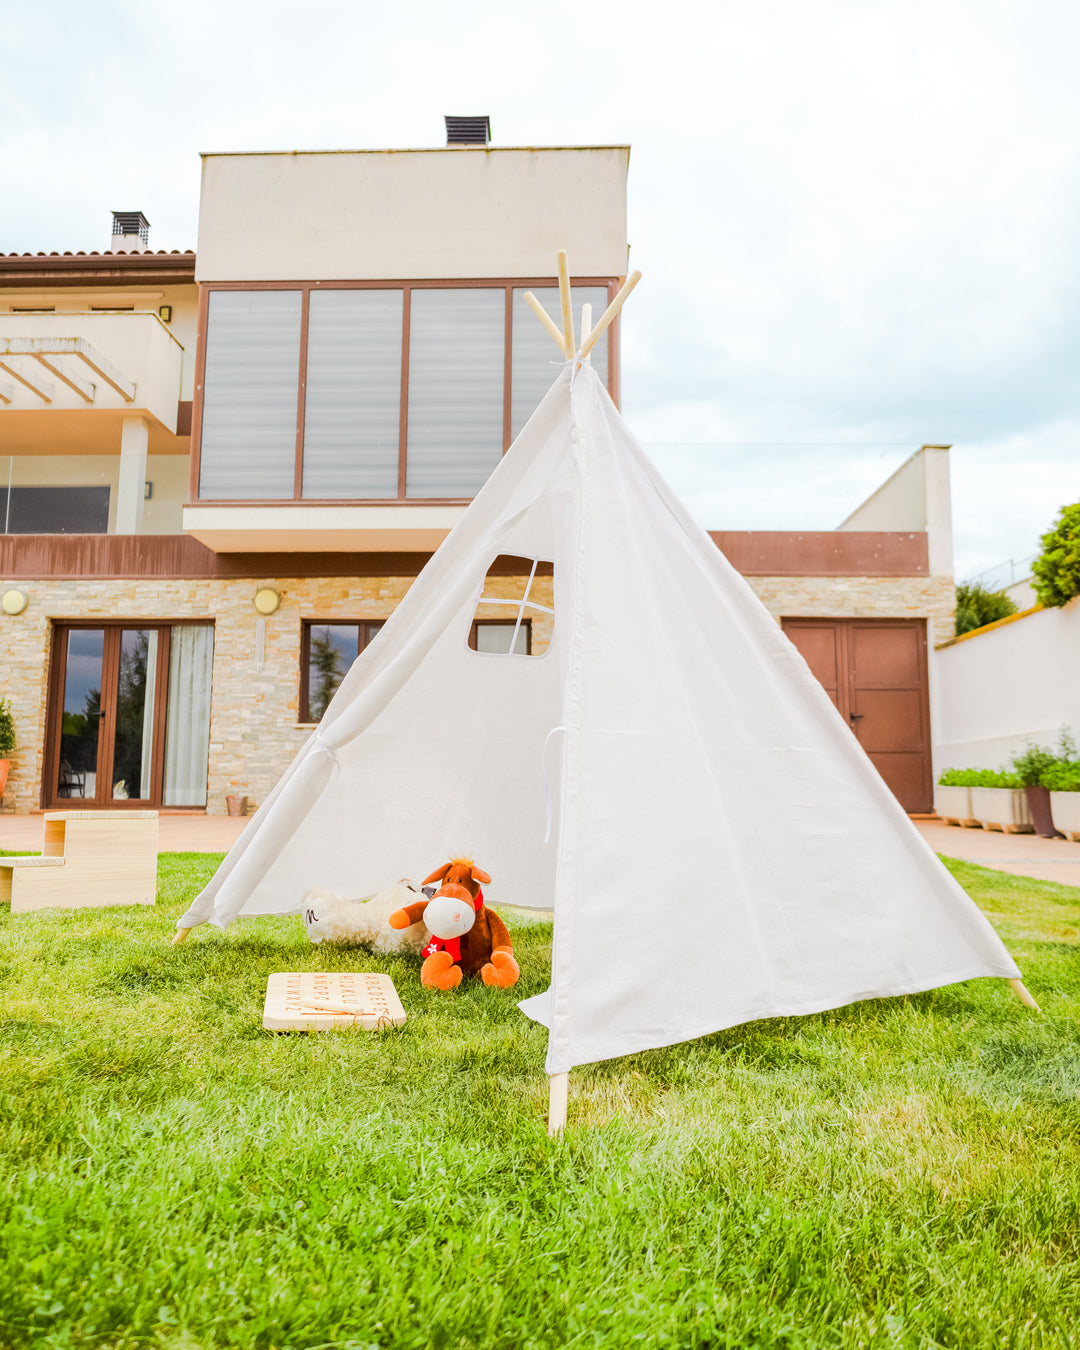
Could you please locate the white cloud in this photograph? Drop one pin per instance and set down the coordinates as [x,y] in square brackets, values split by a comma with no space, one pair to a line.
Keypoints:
[856,219]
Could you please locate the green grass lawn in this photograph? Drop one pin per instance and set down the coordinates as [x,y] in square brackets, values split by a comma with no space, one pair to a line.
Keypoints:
[893,1174]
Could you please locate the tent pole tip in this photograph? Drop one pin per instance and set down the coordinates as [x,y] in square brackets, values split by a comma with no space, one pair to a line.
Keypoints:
[181,934]
[558,1084]
[1017,986]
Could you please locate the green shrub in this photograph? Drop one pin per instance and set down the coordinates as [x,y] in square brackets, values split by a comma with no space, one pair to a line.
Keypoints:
[1033,763]
[1057,570]
[1063,777]
[976,606]
[7,729]
[988,778]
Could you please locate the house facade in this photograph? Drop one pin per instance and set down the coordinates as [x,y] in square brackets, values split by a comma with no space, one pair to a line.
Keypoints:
[224,468]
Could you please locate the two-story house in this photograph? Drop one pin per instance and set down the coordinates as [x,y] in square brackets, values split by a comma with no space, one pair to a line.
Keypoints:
[224,468]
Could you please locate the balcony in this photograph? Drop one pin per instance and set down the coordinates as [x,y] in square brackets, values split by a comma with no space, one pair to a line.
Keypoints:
[89,371]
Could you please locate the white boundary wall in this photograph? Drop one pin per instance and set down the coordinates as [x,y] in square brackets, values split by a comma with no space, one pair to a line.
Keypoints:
[1003,688]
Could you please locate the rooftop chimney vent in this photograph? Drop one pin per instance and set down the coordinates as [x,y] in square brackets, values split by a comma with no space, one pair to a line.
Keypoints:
[467,130]
[130,232]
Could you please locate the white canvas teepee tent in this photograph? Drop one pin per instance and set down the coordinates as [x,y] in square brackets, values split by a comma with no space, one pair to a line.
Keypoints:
[721,850]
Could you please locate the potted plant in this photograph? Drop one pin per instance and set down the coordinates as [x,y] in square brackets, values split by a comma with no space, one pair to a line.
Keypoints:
[952,798]
[1031,767]
[998,801]
[7,741]
[1062,781]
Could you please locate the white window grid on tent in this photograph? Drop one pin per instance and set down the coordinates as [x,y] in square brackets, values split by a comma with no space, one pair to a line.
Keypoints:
[525,603]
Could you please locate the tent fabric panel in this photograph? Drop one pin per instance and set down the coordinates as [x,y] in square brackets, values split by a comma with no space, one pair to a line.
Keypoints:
[685,732]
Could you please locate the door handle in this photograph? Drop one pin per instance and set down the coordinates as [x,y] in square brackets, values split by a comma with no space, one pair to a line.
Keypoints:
[854,717]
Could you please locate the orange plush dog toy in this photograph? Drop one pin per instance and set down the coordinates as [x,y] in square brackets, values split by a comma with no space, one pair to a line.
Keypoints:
[457,946]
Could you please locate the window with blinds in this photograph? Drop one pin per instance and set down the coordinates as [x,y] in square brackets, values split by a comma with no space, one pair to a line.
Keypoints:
[339,357]
[352,415]
[457,356]
[250,390]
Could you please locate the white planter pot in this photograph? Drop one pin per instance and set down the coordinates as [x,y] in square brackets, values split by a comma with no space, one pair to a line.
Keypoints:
[1065,808]
[1002,809]
[953,805]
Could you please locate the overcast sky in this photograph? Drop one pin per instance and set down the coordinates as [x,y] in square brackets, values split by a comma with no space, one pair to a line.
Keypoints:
[858,220]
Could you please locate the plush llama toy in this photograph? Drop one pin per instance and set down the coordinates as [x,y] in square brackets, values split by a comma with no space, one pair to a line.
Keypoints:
[363,923]
[467,938]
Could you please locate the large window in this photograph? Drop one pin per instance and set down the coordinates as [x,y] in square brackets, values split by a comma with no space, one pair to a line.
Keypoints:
[250,394]
[327,651]
[54,510]
[129,715]
[373,393]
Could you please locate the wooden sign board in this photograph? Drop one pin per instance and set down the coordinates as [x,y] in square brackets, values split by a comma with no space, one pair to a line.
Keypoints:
[322,1000]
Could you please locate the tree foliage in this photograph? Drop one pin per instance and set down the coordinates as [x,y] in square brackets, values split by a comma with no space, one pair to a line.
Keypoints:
[1057,569]
[326,673]
[976,606]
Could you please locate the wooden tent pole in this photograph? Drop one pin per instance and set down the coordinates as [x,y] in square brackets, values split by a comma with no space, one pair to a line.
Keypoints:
[586,321]
[610,313]
[546,319]
[567,307]
[1017,986]
[181,934]
[558,1086]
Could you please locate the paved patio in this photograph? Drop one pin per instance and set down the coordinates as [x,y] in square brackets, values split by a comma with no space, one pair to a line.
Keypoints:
[1024,855]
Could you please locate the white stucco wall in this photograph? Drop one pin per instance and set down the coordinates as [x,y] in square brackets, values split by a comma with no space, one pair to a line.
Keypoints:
[401,214]
[1000,689]
[916,497]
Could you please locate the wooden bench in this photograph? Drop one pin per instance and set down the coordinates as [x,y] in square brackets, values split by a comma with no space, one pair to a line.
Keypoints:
[88,859]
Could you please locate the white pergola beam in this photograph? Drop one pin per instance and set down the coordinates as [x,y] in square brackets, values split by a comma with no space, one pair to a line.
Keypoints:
[84,389]
[39,347]
[44,390]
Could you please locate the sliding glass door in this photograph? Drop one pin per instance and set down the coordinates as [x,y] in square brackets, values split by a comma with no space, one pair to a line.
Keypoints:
[129,716]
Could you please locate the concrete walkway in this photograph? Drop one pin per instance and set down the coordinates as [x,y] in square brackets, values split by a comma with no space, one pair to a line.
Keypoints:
[176,834]
[1023,855]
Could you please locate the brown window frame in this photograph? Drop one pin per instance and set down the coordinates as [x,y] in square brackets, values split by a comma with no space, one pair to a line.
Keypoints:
[506,284]
[485,623]
[59,629]
[304,717]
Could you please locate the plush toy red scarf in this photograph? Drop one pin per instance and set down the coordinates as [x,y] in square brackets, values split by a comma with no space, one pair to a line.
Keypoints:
[451,945]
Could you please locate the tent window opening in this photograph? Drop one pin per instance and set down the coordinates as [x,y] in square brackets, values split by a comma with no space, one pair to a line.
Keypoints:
[515,614]
[327,650]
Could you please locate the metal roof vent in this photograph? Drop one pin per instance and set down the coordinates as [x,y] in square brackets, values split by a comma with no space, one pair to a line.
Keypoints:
[467,130]
[130,232]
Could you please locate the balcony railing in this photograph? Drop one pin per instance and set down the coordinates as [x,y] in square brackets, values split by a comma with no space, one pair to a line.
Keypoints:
[118,362]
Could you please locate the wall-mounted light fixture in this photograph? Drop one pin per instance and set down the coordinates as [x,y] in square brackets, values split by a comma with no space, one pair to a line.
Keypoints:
[266,600]
[14,602]
[147,490]
[165,313]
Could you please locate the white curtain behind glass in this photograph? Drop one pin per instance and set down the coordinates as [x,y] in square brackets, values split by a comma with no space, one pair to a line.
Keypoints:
[187,723]
[456,359]
[536,358]
[147,761]
[352,407]
[249,395]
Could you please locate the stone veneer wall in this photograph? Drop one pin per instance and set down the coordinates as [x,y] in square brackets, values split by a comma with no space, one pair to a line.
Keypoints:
[930,598]
[254,732]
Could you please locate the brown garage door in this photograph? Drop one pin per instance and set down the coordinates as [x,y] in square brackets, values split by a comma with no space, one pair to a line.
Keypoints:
[875,671]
